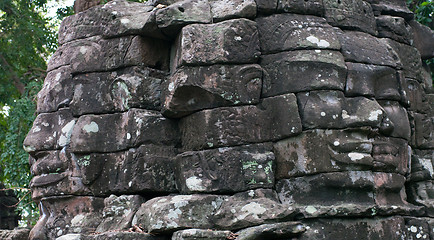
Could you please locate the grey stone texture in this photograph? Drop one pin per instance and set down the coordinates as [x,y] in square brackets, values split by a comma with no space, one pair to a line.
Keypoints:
[235,119]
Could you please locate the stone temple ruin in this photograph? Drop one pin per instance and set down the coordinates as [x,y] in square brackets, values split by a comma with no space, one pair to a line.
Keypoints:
[236,119]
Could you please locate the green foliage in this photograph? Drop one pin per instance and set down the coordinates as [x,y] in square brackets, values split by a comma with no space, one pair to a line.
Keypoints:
[423,11]
[26,41]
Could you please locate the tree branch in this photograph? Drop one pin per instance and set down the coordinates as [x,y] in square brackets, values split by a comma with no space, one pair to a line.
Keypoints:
[16,80]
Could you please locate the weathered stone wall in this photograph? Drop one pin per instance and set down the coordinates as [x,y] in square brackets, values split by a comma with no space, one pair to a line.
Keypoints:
[224,119]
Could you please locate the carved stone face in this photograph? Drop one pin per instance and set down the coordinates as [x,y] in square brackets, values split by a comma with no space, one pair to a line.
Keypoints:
[212,117]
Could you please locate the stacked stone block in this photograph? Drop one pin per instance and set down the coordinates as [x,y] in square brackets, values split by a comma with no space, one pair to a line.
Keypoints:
[235,119]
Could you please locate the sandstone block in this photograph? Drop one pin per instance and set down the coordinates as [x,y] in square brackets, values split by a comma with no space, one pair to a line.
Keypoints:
[148,168]
[410,59]
[223,9]
[95,54]
[175,16]
[369,80]
[118,212]
[231,41]
[423,133]
[266,6]
[397,116]
[415,95]
[172,213]
[57,90]
[50,131]
[193,234]
[106,92]
[63,215]
[391,7]
[320,69]
[353,193]
[350,14]
[281,230]
[421,193]
[391,155]
[251,208]
[318,151]
[120,131]
[330,109]
[313,7]
[392,228]
[191,89]
[273,119]
[252,166]
[281,32]
[422,165]
[395,28]
[112,235]
[423,39]
[364,48]
[418,228]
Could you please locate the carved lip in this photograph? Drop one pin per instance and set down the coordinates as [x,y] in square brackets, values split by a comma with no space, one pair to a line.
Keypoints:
[46,179]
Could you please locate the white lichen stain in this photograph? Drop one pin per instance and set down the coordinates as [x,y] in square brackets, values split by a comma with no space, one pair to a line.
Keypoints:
[128,136]
[194,184]
[336,143]
[373,116]
[318,42]
[252,208]
[311,209]
[36,129]
[355,156]
[77,219]
[91,127]
[125,21]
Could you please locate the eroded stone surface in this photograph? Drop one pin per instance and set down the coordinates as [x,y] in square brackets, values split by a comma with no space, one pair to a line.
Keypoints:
[192,234]
[231,41]
[252,166]
[323,69]
[191,89]
[224,9]
[275,118]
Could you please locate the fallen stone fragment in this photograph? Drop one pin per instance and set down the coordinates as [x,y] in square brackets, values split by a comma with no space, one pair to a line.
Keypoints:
[57,90]
[273,119]
[312,7]
[318,151]
[95,54]
[172,213]
[252,166]
[50,131]
[391,7]
[392,228]
[364,48]
[395,28]
[191,89]
[193,234]
[352,193]
[65,215]
[423,39]
[281,32]
[369,80]
[175,16]
[231,41]
[224,9]
[330,109]
[321,69]
[282,230]
[350,14]
[251,208]
[410,59]
[148,168]
[118,91]
[121,131]
[118,212]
